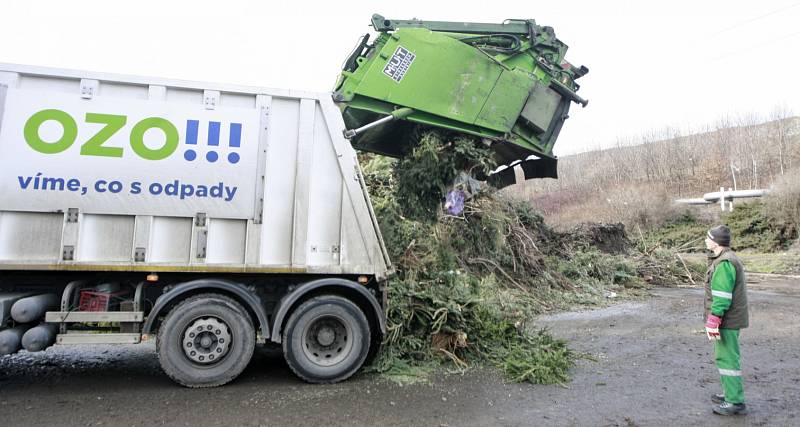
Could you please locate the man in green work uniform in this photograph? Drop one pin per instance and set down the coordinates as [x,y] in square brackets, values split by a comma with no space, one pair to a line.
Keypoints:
[726,313]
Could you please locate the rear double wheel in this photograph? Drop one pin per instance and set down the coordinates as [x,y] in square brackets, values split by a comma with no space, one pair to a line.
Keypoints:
[326,339]
[205,341]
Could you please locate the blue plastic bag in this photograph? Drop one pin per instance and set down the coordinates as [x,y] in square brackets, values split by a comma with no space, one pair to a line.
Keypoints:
[454,202]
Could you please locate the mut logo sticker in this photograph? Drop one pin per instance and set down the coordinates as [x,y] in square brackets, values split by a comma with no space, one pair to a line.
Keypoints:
[399,64]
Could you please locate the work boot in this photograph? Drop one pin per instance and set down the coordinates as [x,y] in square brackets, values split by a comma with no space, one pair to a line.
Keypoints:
[718,398]
[727,408]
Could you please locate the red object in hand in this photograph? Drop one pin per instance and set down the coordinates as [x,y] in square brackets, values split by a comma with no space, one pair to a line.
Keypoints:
[712,327]
[713,321]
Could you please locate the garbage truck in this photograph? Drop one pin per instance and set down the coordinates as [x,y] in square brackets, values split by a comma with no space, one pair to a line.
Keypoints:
[213,218]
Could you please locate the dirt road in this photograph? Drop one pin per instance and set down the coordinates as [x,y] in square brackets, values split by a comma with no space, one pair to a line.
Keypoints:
[653,367]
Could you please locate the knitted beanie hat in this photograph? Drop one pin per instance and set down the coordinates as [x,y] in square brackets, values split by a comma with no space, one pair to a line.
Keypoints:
[721,235]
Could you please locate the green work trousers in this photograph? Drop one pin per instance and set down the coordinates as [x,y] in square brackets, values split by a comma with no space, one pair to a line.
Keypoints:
[726,351]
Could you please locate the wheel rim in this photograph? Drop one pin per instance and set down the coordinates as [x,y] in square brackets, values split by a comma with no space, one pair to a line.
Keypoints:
[326,340]
[206,340]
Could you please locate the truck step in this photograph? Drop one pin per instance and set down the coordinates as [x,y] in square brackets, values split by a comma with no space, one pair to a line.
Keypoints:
[84,338]
[94,316]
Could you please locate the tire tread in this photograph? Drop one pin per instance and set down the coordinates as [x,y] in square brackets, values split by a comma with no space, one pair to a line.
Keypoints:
[174,374]
[292,363]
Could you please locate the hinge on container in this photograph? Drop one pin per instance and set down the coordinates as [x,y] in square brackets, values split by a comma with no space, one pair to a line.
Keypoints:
[200,219]
[265,111]
[68,254]
[72,215]
[333,250]
[263,143]
[139,254]
[210,99]
[202,243]
[89,88]
[259,216]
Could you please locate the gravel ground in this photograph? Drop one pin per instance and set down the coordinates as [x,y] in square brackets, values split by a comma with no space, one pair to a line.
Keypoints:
[652,366]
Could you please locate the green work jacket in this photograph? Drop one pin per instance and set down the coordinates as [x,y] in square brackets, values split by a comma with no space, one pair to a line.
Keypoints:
[726,290]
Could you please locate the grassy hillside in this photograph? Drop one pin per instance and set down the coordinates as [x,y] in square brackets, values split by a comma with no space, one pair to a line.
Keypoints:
[637,181]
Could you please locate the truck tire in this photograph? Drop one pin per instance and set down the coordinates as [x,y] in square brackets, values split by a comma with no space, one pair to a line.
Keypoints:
[326,339]
[206,341]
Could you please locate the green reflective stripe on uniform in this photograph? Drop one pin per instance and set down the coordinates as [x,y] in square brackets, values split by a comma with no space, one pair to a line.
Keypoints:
[722,283]
[726,351]
[726,295]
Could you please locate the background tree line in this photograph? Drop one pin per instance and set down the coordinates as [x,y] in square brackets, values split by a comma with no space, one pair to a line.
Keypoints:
[638,180]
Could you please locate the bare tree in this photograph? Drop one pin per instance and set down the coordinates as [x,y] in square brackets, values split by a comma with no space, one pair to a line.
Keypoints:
[743,149]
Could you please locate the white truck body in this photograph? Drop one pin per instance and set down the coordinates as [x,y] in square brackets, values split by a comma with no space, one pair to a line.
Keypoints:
[102,172]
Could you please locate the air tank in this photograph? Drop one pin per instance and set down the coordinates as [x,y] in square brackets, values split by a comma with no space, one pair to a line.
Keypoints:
[32,309]
[11,339]
[40,337]
[7,300]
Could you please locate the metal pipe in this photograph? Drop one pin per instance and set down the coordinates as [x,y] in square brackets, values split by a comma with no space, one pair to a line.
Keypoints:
[565,91]
[518,26]
[698,201]
[723,196]
[398,114]
[735,194]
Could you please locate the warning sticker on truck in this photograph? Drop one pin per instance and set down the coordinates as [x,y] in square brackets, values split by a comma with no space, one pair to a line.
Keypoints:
[399,64]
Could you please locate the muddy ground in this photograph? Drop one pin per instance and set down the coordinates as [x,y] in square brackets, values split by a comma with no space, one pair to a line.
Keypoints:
[653,366]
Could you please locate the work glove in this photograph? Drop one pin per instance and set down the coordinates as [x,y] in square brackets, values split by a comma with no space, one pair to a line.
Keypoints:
[712,327]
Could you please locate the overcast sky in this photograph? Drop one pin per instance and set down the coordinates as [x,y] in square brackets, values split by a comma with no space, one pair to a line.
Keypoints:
[653,65]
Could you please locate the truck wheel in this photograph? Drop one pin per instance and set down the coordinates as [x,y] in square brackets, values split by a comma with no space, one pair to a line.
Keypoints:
[326,339]
[205,341]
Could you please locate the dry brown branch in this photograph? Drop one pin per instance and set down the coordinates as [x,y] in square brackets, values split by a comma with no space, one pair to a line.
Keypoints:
[456,360]
[500,269]
[688,273]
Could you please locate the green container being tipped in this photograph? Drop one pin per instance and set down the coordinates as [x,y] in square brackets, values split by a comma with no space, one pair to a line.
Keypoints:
[507,83]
